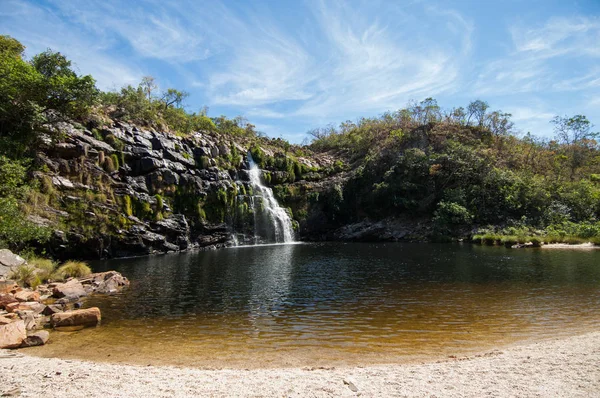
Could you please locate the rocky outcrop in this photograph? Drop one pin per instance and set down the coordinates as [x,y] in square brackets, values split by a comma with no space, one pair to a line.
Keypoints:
[88,317]
[105,282]
[391,230]
[9,261]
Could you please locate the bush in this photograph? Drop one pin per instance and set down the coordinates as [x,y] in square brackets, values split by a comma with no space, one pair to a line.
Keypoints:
[535,241]
[509,240]
[25,275]
[44,268]
[73,269]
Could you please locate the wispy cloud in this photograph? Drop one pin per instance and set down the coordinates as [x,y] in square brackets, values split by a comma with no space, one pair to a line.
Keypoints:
[534,63]
[31,24]
[153,29]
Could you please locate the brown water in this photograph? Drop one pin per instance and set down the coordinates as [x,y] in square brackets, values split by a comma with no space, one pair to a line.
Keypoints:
[333,303]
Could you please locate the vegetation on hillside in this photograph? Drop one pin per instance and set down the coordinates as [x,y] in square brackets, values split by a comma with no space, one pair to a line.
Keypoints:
[464,169]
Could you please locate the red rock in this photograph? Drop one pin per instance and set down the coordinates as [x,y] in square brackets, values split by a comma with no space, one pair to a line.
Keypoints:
[87,317]
[6,299]
[35,339]
[12,334]
[8,287]
[27,295]
[26,306]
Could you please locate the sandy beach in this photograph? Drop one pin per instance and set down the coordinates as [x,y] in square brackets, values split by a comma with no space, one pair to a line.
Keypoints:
[566,367]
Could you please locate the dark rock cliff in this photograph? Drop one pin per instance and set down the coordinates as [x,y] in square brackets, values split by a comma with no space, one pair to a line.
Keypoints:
[124,191]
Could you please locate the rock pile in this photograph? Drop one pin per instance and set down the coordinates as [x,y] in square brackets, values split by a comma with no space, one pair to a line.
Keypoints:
[24,313]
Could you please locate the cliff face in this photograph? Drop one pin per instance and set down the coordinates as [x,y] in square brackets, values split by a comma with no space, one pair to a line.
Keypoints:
[124,191]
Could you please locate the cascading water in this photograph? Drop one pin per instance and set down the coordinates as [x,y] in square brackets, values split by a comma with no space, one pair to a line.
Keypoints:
[279,220]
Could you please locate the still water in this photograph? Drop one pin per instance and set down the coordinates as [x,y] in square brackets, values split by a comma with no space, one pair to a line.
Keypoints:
[334,303]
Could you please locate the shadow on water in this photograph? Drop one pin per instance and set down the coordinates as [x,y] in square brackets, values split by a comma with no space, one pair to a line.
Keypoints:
[334,303]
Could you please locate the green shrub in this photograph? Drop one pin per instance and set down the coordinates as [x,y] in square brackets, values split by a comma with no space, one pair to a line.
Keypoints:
[509,240]
[536,241]
[73,269]
[127,208]
[115,160]
[490,239]
[25,275]
[477,238]
[44,268]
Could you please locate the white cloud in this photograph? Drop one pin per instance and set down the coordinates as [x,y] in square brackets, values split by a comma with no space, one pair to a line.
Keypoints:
[533,65]
[373,68]
[155,30]
[39,29]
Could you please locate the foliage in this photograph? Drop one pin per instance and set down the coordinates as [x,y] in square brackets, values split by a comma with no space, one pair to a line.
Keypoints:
[73,269]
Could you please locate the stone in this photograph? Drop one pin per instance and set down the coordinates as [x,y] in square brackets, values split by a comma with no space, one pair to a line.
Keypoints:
[87,318]
[29,319]
[148,164]
[27,295]
[12,334]
[72,289]
[62,182]
[4,320]
[25,306]
[8,286]
[12,393]
[8,261]
[34,339]
[65,150]
[106,282]
[6,299]
[52,309]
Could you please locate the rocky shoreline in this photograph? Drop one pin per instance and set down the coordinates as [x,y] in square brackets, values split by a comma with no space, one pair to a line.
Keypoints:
[26,314]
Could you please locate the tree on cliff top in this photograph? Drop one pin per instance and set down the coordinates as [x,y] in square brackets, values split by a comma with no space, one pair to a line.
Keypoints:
[28,89]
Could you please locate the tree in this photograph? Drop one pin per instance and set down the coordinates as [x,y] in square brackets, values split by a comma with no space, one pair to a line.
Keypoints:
[174,97]
[578,139]
[61,89]
[476,110]
[20,114]
[148,85]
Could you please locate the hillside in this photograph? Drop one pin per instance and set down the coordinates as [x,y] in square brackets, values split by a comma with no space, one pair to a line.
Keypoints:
[90,174]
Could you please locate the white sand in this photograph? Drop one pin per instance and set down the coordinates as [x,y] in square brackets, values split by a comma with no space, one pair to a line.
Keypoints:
[567,367]
[580,246]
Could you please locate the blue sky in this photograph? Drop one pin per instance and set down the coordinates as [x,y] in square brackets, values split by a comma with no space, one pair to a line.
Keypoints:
[290,66]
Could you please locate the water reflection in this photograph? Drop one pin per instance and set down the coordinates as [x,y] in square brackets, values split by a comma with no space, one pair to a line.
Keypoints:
[329,302]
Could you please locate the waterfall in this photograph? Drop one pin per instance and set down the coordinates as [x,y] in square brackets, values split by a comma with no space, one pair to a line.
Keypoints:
[280,221]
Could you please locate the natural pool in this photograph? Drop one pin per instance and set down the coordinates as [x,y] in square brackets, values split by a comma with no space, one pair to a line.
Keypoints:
[326,304]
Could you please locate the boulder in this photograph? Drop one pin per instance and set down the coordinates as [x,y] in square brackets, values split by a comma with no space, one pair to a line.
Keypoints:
[12,334]
[29,318]
[27,295]
[52,309]
[148,164]
[86,318]
[8,286]
[8,261]
[6,299]
[106,282]
[25,306]
[38,338]
[72,289]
